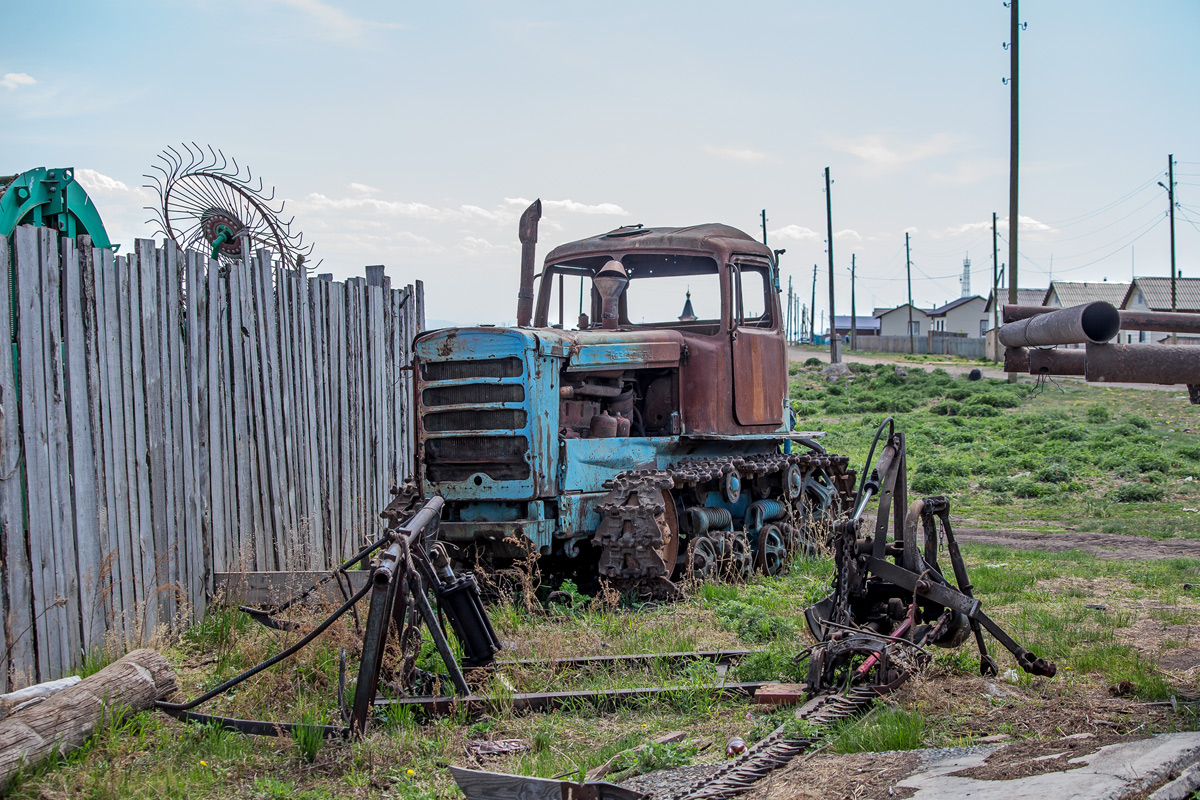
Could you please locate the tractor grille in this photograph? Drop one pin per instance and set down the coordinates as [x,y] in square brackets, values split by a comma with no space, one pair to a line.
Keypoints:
[473,419]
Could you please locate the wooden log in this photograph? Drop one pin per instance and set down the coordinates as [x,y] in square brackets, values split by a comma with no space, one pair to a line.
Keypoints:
[64,721]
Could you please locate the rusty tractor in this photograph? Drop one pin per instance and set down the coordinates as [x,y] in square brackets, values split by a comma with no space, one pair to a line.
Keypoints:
[642,445]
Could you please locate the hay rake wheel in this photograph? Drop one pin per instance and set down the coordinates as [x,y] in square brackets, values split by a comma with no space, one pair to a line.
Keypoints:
[208,202]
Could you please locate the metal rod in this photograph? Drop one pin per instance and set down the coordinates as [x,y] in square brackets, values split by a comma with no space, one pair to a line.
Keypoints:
[543,701]
[1094,323]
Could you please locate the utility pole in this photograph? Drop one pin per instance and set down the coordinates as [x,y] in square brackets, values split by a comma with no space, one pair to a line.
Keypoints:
[995,282]
[764,225]
[812,310]
[1013,132]
[787,328]
[853,318]
[835,355]
[1014,218]
[1170,187]
[908,272]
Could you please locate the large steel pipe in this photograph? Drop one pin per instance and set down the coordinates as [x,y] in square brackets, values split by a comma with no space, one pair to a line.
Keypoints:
[1045,362]
[1093,323]
[1164,321]
[1143,363]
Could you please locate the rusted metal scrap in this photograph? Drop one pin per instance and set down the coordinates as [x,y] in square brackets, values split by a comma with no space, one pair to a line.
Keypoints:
[1095,325]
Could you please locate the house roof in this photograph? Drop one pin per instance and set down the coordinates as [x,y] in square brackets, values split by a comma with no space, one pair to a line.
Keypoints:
[1157,293]
[883,312]
[1025,297]
[1072,293]
[862,323]
[953,304]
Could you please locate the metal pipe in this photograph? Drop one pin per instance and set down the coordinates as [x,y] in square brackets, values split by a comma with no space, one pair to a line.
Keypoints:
[1093,323]
[527,232]
[1164,321]
[1039,361]
[1143,363]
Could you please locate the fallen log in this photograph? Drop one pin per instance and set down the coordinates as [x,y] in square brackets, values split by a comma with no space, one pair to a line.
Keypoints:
[21,698]
[67,719]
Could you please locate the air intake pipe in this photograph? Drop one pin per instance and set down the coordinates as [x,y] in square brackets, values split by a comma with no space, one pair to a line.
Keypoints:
[528,235]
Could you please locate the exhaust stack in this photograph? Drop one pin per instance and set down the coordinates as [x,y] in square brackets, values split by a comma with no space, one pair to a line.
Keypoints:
[528,235]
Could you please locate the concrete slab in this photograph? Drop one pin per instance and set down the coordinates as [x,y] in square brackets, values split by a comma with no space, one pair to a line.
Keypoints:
[1113,772]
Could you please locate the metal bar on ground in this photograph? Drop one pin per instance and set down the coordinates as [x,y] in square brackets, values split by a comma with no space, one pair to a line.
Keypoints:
[545,701]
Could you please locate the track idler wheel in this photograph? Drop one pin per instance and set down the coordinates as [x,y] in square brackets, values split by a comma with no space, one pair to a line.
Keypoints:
[703,558]
[773,550]
[737,558]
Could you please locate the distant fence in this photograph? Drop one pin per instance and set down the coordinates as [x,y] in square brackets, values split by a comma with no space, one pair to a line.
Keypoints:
[935,342]
[163,419]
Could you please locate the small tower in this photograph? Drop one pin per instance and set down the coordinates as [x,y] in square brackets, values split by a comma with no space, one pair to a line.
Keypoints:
[688,314]
[965,280]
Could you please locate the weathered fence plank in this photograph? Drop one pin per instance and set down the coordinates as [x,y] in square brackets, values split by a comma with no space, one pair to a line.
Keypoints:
[178,419]
[88,508]
[19,667]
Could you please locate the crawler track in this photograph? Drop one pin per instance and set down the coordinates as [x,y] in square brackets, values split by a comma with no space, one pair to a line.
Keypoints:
[716,516]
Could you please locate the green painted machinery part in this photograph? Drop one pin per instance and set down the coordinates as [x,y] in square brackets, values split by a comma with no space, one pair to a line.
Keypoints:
[53,198]
[224,234]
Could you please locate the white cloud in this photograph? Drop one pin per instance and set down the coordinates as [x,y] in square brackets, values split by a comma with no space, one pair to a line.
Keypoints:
[877,151]
[744,154]
[97,182]
[584,208]
[315,200]
[475,244]
[848,233]
[335,24]
[794,233]
[1026,224]
[364,188]
[12,80]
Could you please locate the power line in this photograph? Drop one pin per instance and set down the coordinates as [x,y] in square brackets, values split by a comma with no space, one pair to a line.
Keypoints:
[1068,221]
[1101,258]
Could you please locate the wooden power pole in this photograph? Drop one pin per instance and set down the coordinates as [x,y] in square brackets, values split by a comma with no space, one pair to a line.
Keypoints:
[908,272]
[812,310]
[835,355]
[853,311]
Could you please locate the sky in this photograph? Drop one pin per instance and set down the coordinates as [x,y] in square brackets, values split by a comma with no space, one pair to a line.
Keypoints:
[414,134]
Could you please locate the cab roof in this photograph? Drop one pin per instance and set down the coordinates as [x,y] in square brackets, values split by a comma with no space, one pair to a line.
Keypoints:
[720,241]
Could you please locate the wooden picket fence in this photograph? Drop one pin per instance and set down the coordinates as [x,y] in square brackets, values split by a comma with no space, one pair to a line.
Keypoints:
[164,419]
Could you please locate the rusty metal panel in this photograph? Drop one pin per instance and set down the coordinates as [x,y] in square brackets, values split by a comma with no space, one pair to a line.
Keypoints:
[759,376]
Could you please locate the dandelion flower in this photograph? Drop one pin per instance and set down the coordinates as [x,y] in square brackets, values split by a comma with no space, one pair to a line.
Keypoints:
[410,772]
[204,763]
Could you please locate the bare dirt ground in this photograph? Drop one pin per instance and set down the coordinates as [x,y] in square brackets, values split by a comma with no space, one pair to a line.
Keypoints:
[1116,546]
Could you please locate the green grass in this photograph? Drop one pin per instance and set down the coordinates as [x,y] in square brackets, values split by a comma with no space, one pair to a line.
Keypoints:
[1012,455]
[1007,456]
[886,729]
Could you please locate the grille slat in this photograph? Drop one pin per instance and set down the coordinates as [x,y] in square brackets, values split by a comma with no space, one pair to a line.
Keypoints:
[501,454]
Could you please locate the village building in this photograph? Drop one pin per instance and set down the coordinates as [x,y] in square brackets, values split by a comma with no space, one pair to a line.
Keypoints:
[1154,294]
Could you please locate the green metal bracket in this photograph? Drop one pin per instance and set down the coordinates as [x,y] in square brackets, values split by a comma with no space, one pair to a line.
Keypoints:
[52,198]
[224,234]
